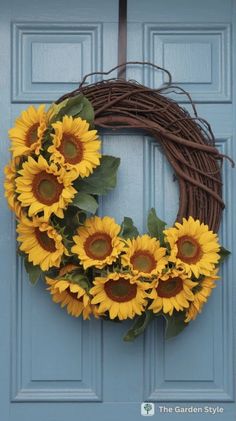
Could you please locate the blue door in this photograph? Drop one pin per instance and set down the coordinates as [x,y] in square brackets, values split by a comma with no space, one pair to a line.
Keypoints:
[54,367]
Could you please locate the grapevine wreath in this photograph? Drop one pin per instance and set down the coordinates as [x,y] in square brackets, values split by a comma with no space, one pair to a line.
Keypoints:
[92,265]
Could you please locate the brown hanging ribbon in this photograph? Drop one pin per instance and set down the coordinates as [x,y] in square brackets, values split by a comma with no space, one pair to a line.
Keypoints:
[122,38]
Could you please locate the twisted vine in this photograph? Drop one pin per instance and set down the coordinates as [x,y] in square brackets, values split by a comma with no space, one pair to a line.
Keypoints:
[187,141]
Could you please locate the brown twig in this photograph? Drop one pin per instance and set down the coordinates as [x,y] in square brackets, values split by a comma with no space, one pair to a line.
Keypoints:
[187,142]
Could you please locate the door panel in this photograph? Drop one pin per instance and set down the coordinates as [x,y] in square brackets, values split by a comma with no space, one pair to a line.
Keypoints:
[38,47]
[54,358]
[196,366]
[54,367]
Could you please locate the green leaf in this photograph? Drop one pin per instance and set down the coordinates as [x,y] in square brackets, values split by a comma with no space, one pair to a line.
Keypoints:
[174,324]
[224,253]
[77,106]
[87,112]
[54,109]
[156,226]
[82,281]
[73,218]
[85,202]
[33,271]
[78,278]
[139,326]
[71,106]
[103,178]
[128,229]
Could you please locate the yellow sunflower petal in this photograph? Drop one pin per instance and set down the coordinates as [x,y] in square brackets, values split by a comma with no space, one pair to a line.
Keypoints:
[41,242]
[201,293]
[120,295]
[172,292]
[144,256]
[10,188]
[69,295]
[43,188]
[74,146]
[95,245]
[194,246]
[26,137]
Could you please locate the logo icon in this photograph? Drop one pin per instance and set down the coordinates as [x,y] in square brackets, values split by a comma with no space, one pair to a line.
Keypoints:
[147,409]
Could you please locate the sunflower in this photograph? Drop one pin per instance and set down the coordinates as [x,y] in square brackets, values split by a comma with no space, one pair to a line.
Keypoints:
[171,293]
[75,146]
[194,245]
[10,187]
[71,295]
[28,132]
[201,293]
[41,242]
[97,243]
[44,188]
[120,294]
[144,256]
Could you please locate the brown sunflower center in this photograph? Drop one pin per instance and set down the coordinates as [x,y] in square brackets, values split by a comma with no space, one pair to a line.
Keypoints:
[169,288]
[32,134]
[189,250]
[121,290]
[98,246]
[46,188]
[72,149]
[44,240]
[143,261]
[67,269]
[74,295]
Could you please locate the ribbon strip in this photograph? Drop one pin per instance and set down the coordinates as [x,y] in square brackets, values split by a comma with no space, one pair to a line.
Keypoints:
[122,38]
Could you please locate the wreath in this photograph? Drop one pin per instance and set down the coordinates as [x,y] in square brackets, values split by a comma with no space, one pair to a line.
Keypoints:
[92,265]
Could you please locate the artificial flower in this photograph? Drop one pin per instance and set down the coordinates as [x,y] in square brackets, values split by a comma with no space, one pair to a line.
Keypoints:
[44,188]
[71,295]
[144,256]
[171,293]
[193,245]
[201,292]
[120,294]
[97,242]
[10,188]
[28,132]
[41,242]
[74,146]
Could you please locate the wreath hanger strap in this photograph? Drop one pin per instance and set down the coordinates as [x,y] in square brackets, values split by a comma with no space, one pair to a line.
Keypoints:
[122,37]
